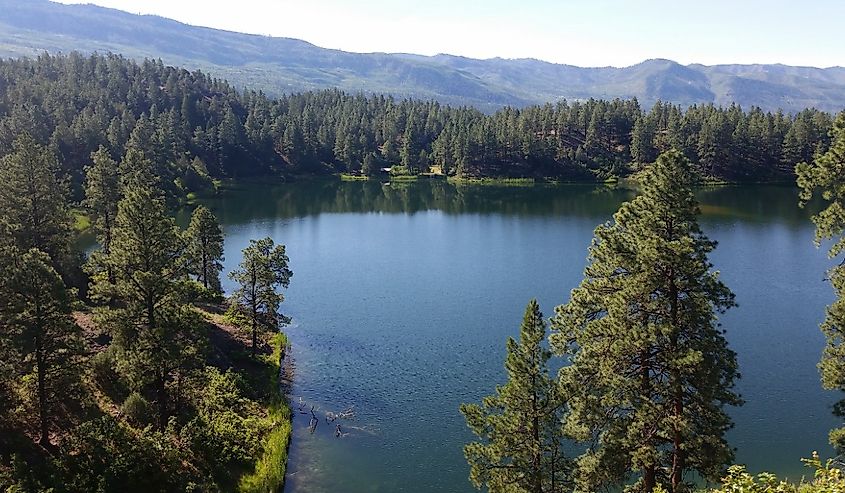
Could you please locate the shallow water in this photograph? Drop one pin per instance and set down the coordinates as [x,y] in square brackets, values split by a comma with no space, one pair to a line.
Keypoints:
[403,296]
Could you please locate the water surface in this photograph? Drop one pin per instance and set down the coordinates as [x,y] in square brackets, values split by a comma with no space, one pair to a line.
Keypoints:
[403,296]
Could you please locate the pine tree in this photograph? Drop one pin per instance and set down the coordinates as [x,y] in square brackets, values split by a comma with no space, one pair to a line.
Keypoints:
[826,175]
[642,141]
[205,248]
[33,200]
[152,332]
[38,331]
[102,193]
[263,270]
[137,171]
[369,166]
[520,447]
[650,369]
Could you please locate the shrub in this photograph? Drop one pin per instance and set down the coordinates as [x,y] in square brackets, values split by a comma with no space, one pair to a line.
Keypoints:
[137,410]
[826,479]
[105,455]
[102,368]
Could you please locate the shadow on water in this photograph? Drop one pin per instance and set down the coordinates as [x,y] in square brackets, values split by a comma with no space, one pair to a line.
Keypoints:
[762,203]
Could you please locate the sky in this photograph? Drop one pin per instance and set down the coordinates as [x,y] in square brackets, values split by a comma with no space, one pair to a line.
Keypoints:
[579,32]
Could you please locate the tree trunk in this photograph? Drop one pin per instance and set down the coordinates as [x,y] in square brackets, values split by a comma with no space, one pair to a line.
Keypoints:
[677,451]
[254,308]
[535,432]
[678,402]
[649,470]
[41,369]
[161,393]
[204,267]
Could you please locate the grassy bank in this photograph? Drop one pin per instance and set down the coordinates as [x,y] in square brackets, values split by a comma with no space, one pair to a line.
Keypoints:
[349,177]
[81,221]
[269,474]
[511,182]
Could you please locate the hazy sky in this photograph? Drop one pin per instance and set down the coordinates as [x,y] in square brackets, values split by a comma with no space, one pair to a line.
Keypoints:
[578,32]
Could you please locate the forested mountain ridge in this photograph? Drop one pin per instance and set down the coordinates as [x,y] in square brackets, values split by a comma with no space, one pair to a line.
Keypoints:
[195,128]
[284,65]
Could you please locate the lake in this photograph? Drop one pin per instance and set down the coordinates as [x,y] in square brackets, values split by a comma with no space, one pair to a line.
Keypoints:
[403,296]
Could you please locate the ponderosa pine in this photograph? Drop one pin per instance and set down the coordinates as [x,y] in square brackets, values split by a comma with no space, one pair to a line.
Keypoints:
[33,200]
[38,332]
[520,446]
[102,194]
[153,334]
[826,176]
[650,371]
[261,273]
[205,248]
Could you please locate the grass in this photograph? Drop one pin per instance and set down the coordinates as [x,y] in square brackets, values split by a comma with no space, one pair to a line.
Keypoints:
[81,221]
[350,177]
[269,474]
[514,182]
[404,177]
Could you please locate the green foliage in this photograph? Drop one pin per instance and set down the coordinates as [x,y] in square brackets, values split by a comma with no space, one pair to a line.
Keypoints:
[269,473]
[102,367]
[196,177]
[739,481]
[236,316]
[261,273]
[826,176]
[104,455]
[137,410]
[33,203]
[146,255]
[199,129]
[35,321]
[650,370]
[205,248]
[521,444]
[826,479]
[144,412]
[194,291]
[156,339]
[226,431]
[102,194]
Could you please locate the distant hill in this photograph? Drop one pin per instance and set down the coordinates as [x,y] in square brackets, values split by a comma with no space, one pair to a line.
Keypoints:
[283,65]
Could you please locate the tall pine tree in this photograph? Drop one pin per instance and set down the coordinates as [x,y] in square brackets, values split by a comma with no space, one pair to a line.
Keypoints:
[205,248]
[520,447]
[650,369]
[38,332]
[826,176]
[262,272]
[154,335]
[33,200]
[102,194]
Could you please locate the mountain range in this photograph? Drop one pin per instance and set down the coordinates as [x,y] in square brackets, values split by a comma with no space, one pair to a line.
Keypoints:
[278,65]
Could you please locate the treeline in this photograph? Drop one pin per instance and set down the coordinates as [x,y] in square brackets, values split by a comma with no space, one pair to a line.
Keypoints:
[646,373]
[144,383]
[196,128]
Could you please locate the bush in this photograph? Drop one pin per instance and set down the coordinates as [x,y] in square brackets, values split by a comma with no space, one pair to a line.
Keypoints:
[102,369]
[137,410]
[226,433]
[235,315]
[827,479]
[195,291]
[105,455]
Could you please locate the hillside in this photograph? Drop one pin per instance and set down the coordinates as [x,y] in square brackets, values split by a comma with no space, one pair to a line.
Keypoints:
[283,65]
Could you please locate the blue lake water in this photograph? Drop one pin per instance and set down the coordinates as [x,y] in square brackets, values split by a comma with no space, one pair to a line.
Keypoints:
[403,296]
